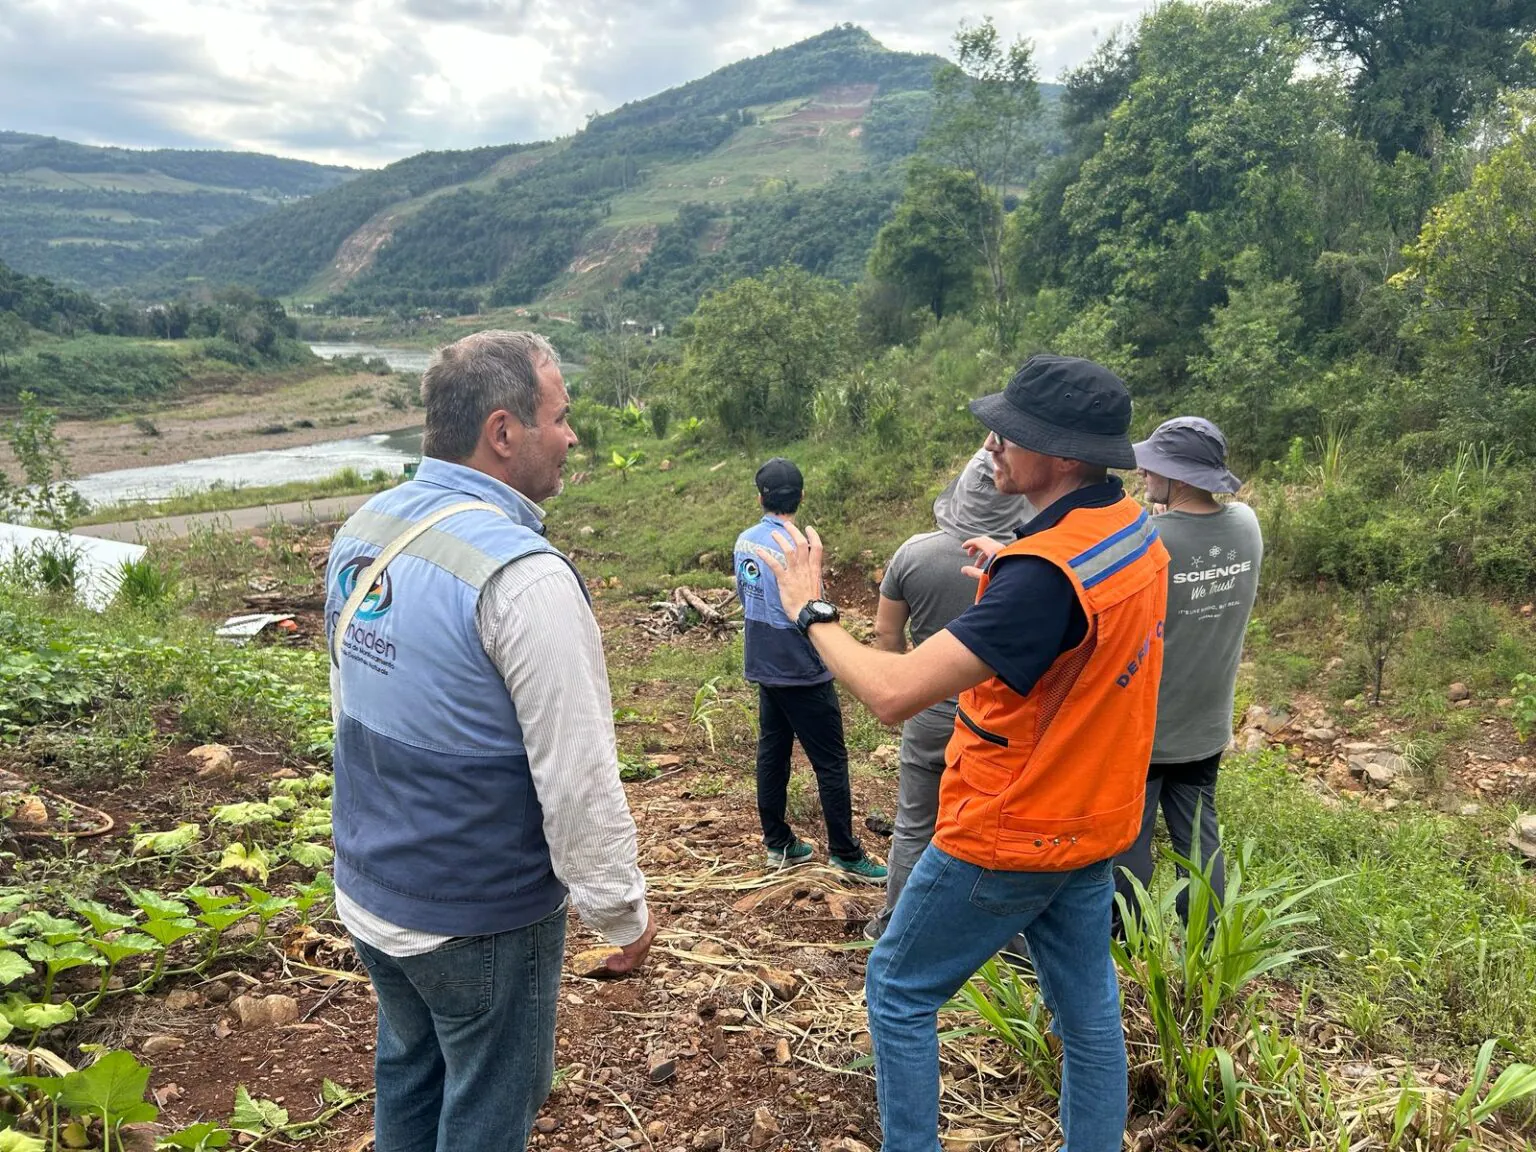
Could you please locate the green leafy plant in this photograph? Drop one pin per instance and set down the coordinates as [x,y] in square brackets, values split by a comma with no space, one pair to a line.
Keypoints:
[708,704]
[1525,706]
[1011,1008]
[625,464]
[111,1091]
[1194,986]
[143,584]
[196,1138]
[43,495]
[1385,609]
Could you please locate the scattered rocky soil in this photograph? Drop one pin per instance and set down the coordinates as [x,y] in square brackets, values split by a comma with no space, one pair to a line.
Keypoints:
[745,1029]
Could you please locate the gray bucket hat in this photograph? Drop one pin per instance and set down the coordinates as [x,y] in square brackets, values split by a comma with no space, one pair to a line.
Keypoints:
[971,505]
[1063,406]
[1190,449]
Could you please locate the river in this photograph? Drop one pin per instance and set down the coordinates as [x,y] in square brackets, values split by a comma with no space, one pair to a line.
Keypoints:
[389,451]
[400,359]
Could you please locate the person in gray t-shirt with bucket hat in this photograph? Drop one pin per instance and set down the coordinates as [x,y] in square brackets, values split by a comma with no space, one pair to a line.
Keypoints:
[923,589]
[1216,550]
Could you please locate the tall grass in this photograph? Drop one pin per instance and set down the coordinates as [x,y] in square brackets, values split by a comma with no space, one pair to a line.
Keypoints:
[1219,1039]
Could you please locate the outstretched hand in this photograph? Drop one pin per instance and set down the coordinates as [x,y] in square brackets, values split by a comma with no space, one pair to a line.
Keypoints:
[799,572]
[981,549]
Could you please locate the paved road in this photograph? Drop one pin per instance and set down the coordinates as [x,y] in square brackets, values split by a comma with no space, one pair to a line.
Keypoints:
[148,530]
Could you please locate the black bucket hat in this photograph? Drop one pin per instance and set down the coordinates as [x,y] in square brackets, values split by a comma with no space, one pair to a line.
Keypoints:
[1189,449]
[1063,406]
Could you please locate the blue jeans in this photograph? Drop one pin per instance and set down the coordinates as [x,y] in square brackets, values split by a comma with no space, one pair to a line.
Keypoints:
[466,1039]
[951,918]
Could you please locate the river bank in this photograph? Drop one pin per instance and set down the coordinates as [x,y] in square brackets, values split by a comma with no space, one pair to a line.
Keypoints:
[288,413]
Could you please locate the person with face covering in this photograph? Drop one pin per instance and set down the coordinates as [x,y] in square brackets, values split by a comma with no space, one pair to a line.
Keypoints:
[1216,548]
[923,589]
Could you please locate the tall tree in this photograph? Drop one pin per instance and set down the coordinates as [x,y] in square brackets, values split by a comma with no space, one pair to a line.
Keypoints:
[1472,274]
[985,113]
[761,347]
[926,247]
[1422,67]
[1185,178]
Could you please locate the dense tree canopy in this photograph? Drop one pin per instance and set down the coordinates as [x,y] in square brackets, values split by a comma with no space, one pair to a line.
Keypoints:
[1424,67]
[761,348]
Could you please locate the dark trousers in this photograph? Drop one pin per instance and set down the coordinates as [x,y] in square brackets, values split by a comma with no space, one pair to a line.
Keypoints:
[812,715]
[1187,795]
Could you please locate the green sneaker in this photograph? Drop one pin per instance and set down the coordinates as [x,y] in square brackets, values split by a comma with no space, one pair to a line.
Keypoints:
[864,870]
[797,853]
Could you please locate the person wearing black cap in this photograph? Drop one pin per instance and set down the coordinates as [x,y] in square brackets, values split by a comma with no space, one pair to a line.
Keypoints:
[1217,549]
[1056,666]
[794,693]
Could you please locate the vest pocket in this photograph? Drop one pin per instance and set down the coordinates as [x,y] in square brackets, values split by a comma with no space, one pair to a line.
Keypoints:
[989,737]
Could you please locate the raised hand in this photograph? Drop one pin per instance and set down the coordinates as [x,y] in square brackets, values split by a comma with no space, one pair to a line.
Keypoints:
[799,573]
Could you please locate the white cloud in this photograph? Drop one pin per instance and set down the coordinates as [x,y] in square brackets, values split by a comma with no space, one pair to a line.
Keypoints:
[369,81]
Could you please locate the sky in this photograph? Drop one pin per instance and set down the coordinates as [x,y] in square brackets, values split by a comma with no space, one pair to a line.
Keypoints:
[365,82]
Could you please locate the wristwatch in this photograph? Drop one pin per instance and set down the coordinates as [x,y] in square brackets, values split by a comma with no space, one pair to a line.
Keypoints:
[815,612]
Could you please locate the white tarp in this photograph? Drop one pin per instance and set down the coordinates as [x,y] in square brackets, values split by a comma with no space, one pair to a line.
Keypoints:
[100,561]
[242,628]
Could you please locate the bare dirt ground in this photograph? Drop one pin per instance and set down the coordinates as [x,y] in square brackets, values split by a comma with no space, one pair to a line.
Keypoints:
[284,413]
[744,1028]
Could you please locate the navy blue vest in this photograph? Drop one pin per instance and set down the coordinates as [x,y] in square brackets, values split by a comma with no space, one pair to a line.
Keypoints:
[437,824]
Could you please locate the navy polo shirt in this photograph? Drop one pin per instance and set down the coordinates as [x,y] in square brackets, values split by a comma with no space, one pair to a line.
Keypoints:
[1030,613]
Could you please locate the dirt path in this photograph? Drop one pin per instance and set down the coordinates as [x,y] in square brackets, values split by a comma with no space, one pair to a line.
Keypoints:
[149,529]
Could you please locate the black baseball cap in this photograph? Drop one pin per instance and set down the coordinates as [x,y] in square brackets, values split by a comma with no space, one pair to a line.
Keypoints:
[1063,406]
[779,476]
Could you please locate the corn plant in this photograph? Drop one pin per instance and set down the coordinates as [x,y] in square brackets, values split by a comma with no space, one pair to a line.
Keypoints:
[1436,1121]
[1011,1008]
[708,704]
[1190,985]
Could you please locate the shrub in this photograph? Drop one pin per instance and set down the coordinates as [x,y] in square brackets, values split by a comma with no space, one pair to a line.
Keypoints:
[143,584]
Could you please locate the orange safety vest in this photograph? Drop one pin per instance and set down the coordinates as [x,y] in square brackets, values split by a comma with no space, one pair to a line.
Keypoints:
[1056,780]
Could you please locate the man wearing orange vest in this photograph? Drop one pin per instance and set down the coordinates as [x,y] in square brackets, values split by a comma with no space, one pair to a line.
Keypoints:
[1056,666]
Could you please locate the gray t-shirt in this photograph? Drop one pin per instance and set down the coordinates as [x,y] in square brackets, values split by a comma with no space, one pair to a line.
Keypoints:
[925,574]
[1212,582]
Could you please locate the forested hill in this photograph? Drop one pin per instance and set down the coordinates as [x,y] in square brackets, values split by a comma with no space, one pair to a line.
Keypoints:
[99,218]
[778,134]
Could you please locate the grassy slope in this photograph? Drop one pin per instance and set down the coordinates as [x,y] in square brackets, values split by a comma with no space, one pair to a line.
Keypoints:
[48,179]
[790,141]
[800,141]
[1426,946]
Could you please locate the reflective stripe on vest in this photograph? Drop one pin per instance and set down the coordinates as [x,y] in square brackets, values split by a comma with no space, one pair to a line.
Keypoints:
[1056,779]
[1110,555]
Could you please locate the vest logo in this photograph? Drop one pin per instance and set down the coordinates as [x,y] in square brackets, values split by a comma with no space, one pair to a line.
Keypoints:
[750,571]
[1124,679]
[379,597]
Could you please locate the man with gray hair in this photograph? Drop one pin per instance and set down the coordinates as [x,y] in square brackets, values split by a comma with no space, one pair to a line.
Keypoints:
[477,783]
[923,589]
